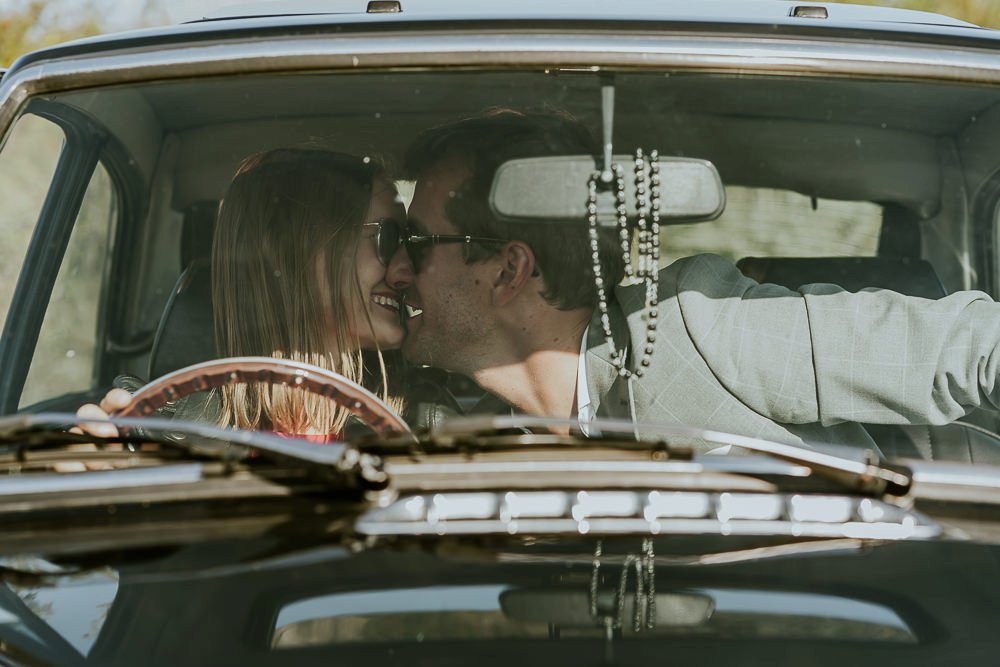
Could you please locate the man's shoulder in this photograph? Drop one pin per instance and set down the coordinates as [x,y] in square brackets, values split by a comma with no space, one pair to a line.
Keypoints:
[704,268]
[705,273]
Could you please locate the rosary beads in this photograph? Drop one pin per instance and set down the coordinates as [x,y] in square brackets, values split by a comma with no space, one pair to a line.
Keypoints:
[648,191]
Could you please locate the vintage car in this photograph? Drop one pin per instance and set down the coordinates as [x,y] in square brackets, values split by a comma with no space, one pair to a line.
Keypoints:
[807,143]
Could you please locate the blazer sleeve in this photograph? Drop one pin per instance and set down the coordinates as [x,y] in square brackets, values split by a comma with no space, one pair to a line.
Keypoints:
[826,355]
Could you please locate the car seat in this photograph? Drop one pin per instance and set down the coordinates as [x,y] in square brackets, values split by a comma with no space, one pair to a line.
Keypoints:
[913,277]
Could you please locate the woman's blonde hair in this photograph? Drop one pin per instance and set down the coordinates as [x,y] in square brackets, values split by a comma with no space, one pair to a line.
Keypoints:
[283,267]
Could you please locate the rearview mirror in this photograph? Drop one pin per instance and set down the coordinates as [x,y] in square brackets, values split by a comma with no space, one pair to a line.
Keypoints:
[554,189]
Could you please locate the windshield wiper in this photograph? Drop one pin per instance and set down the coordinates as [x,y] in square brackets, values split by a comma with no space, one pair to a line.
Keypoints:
[340,463]
[868,475]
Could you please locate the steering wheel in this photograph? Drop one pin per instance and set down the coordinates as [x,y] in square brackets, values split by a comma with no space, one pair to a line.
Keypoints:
[233,370]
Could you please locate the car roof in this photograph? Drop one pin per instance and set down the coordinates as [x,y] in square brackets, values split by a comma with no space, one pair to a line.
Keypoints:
[317,17]
[655,10]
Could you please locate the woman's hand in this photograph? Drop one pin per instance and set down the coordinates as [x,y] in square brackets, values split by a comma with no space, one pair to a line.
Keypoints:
[116,399]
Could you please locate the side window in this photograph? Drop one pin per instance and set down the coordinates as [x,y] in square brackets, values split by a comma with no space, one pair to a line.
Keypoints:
[27,164]
[68,343]
[761,222]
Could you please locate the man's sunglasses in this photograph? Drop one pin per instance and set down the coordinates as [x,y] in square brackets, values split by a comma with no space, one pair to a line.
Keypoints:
[391,234]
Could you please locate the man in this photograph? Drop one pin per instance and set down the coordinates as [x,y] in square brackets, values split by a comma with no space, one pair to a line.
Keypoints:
[515,310]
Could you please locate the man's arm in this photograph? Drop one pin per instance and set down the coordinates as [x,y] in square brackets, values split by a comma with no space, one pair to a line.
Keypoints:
[826,355]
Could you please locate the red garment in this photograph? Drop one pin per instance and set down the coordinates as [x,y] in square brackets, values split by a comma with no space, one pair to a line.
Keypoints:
[317,438]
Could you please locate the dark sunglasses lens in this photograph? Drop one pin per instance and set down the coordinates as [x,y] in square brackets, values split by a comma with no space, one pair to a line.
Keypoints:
[388,240]
[415,250]
[415,253]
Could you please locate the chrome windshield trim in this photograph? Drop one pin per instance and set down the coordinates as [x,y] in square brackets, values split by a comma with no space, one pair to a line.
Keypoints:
[734,465]
[431,474]
[99,480]
[302,451]
[955,482]
[865,473]
[488,48]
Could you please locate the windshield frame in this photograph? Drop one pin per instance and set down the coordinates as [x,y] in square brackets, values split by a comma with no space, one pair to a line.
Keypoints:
[430,50]
[469,49]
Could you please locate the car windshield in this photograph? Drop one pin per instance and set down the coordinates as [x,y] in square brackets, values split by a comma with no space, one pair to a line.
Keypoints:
[785,258]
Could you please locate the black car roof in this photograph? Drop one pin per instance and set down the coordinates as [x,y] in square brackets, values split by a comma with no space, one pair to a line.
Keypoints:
[312,17]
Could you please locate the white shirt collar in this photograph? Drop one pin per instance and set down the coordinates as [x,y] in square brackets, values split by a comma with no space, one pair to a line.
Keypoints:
[584,412]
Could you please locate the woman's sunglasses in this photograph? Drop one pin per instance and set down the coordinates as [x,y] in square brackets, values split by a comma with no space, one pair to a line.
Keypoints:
[391,234]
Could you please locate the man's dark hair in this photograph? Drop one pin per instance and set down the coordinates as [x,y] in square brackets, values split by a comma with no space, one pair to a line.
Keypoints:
[485,141]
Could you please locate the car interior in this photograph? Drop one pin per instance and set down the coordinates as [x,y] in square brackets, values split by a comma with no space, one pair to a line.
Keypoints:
[918,158]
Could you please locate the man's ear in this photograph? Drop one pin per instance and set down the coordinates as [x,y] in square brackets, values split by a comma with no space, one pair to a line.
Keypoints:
[516,268]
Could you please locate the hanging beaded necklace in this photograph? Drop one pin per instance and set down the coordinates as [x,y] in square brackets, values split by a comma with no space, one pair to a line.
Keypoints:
[647,188]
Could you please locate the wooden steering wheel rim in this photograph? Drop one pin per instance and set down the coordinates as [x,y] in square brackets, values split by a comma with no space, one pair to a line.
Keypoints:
[232,370]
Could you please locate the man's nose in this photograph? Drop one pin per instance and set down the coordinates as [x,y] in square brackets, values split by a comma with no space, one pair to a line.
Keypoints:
[399,273]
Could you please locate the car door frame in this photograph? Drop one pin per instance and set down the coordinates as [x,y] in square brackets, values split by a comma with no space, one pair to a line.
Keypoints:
[86,145]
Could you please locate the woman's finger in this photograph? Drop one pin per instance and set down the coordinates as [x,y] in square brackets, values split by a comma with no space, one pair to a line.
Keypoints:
[97,429]
[115,399]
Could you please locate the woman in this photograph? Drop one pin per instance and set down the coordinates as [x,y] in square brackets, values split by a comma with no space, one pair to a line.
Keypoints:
[298,273]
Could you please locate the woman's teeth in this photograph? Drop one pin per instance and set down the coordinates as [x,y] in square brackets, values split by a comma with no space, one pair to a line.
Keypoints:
[387,301]
[403,309]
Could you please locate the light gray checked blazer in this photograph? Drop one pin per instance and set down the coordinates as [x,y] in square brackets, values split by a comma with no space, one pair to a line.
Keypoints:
[792,366]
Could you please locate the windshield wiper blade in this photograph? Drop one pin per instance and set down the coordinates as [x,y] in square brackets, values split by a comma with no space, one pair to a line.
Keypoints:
[868,475]
[339,462]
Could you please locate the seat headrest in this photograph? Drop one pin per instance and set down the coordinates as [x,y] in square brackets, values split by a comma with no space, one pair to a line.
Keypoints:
[913,277]
[185,334]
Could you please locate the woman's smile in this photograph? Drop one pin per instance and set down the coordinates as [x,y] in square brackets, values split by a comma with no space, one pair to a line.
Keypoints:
[388,301]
